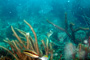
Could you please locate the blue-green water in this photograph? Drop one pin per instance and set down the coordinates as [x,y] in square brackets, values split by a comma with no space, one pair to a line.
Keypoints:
[65,23]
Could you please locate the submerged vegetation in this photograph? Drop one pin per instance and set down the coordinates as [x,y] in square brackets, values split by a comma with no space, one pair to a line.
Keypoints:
[48,33]
[69,29]
[76,49]
[26,42]
[25,47]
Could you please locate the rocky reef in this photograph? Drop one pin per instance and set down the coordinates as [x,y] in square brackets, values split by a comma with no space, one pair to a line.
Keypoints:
[71,43]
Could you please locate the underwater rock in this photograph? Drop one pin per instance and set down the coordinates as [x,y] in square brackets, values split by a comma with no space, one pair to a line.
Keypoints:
[59,38]
[62,36]
[9,33]
[3,44]
[4,55]
[80,35]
